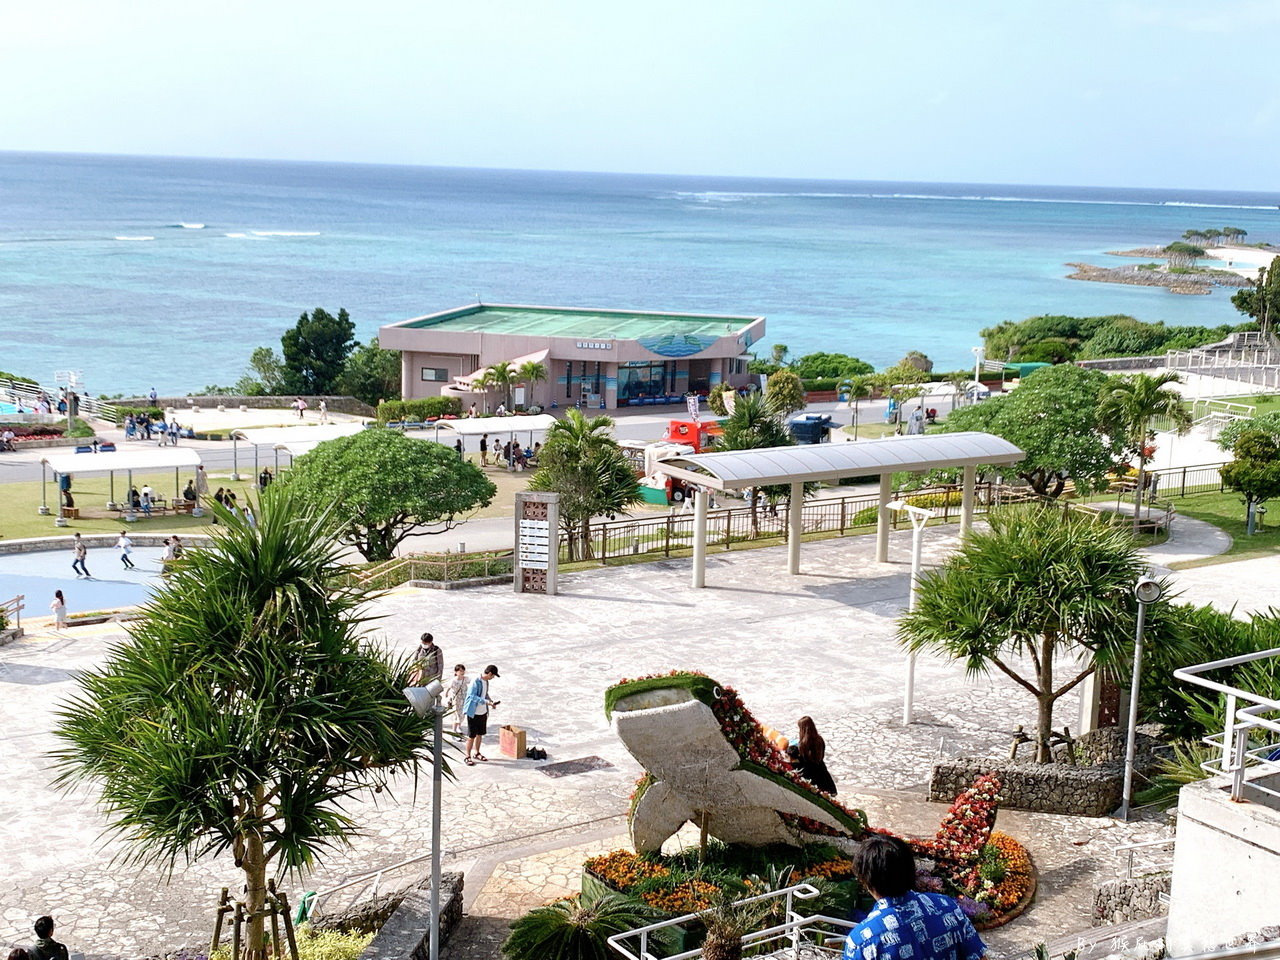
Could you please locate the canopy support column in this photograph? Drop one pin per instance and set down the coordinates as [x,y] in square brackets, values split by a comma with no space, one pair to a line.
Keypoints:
[256,472]
[882,518]
[44,499]
[795,507]
[177,485]
[235,459]
[700,498]
[966,498]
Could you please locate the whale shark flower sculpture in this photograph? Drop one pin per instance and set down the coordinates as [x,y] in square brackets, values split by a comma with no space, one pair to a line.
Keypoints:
[708,761]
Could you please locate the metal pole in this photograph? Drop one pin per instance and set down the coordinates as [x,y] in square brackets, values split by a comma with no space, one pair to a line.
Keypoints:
[917,541]
[794,527]
[882,518]
[436,778]
[44,498]
[235,460]
[700,538]
[1130,744]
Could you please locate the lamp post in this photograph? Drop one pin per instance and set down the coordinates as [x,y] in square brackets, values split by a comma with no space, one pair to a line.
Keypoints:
[426,700]
[1147,591]
[979,354]
[920,518]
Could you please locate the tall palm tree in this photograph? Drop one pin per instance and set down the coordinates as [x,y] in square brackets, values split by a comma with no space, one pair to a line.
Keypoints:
[754,424]
[502,376]
[1128,406]
[581,461]
[531,371]
[246,707]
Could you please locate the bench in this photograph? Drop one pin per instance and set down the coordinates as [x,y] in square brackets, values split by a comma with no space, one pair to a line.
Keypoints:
[71,513]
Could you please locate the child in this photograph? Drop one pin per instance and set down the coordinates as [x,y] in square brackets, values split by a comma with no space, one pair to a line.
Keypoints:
[455,694]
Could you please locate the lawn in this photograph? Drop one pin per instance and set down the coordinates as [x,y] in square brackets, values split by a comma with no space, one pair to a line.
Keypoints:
[1266,403]
[1225,511]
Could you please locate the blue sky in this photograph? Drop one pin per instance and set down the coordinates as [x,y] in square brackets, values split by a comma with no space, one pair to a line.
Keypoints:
[1095,93]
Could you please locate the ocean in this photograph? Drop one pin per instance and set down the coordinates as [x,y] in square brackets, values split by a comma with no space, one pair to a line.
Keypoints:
[167,272]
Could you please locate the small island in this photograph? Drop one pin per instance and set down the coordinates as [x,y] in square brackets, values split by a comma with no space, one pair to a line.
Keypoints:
[1177,266]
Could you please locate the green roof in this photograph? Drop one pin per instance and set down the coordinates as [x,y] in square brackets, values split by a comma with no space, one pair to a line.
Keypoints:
[587,324]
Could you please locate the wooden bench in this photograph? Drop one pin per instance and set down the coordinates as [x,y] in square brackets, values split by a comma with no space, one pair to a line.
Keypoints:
[71,513]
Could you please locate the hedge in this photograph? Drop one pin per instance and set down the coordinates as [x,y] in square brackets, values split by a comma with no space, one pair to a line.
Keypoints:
[427,408]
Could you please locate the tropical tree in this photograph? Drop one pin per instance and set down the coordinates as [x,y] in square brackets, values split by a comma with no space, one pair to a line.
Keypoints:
[501,376]
[1183,254]
[1194,237]
[716,401]
[778,354]
[1128,405]
[384,486]
[371,374]
[1053,418]
[752,425]
[315,351]
[854,390]
[822,365]
[531,371]
[1213,235]
[1234,234]
[785,392]
[246,709]
[1040,593]
[581,461]
[1261,300]
[265,376]
[1255,473]
[1268,423]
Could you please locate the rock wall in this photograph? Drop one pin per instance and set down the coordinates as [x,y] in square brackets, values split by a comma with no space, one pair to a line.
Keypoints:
[1137,898]
[406,933]
[1040,788]
[336,404]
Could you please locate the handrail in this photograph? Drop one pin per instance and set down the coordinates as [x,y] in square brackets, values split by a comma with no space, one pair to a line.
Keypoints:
[311,900]
[99,409]
[12,610]
[1130,848]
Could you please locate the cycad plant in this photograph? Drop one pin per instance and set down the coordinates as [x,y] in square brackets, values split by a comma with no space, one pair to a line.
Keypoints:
[1128,406]
[578,928]
[245,707]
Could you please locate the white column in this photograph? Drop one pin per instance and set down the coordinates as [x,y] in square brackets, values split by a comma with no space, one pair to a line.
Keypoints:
[882,518]
[795,528]
[700,499]
[966,498]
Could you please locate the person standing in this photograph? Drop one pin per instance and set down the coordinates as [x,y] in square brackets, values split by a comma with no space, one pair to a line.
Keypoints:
[428,662]
[152,396]
[476,707]
[905,924]
[167,558]
[178,548]
[484,450]
[301,406]
[456,695]
[202,483]
[811,754]
[81,554]
[47,948]
[265,478]
[125,546]
[248,514]
[59,608]
[324,411]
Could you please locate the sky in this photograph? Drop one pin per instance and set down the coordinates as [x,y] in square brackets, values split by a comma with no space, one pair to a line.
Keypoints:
[1095,93]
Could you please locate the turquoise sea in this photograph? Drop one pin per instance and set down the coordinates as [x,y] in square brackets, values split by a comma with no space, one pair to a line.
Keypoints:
[166,272]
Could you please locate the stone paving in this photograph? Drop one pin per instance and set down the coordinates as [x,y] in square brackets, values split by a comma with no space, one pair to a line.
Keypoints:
[818,644]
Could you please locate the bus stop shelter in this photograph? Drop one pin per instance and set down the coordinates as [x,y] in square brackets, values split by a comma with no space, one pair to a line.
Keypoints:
[797,465]
[143,459]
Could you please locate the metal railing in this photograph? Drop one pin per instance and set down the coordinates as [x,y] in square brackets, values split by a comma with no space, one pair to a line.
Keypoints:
[1258,367]
[814,933]
[1184,481]
[1228,408]
[370,884]
[1132,851]
[12,609]
[1249,742]
[615,539]
[444,567]
[30,394]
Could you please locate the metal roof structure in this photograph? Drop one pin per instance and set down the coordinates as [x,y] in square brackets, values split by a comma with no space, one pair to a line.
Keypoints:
[540,321]
[741,469]
[312,433]
[142,457]
[476,426]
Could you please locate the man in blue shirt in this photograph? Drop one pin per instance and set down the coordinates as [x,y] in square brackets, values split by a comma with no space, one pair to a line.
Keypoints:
[905,924]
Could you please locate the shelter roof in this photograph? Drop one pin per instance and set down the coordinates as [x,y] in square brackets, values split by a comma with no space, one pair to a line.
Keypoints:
[475,426]
[576,322]
[313,434]
[141,457]
[740,469]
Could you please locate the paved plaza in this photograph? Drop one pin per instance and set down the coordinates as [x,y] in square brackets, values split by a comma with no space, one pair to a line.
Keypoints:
[818,644]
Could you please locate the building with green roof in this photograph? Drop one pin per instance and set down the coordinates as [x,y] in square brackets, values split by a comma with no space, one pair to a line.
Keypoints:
[600,358]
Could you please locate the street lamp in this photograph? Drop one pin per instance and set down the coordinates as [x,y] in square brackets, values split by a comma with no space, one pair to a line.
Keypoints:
[920,518]
[426,701]
[1147,590]
[979,354]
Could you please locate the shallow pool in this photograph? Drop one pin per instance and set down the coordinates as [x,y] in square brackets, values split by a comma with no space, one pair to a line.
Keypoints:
[36,575]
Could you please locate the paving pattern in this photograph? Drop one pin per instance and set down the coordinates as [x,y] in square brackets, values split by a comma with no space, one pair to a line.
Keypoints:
[819,644]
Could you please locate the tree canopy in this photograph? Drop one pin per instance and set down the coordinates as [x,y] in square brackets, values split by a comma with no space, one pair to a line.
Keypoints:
[785,392]
[1255,471]
[315,350]
[1059,339]
[1268,423]
[1128,405]
[246,707]
[1031,596]
[1053,418]
[383,486]
[754,424]
[371,374]
[1261,301]
[814,366]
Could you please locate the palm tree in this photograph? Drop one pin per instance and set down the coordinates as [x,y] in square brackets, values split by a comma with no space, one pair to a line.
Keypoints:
[531,371]
[246,708]
[752,425]
[1127,407]
[1041,591]
[854,390]
[502,376]
[581,461]
[579,928]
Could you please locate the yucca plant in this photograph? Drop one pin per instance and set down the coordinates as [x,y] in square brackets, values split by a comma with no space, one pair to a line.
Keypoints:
[245,708]
[578,928]
[1174,773]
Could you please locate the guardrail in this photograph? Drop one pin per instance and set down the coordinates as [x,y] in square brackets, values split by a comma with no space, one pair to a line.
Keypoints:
[12,609]
[310,903]
[1239,749]
[1185,481]
[1258,368]
[816,934]
[30,394]
[1153,865]
[443,567]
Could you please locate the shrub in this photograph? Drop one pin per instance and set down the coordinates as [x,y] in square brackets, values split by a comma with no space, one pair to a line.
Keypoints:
[317,945]
[155,413]
[575,928]
[426,408]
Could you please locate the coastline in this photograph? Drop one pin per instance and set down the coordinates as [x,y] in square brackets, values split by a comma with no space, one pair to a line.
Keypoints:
[1240,266]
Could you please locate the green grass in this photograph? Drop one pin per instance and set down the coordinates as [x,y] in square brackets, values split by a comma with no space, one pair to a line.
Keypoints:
[1226,512]
[872,429]
[1266,403]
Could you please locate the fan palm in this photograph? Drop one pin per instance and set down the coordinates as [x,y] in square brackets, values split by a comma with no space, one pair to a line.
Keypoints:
[245,707]
[1128,406]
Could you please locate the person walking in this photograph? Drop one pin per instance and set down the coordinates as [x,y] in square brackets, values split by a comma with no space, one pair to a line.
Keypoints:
[265,478]
[905,924]
[477,707]
[178,548]
[167,558]
[456,695]
[125,546]
[811,753]
[47,948]
[59,608]
[248,514]
[301,406]
[428,662]
[81,554]
[324,411]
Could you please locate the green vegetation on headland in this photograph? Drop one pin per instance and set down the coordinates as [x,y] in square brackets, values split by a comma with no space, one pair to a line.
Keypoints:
[1063,339]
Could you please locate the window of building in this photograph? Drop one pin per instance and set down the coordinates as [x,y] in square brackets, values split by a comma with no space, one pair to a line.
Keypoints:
[435,374]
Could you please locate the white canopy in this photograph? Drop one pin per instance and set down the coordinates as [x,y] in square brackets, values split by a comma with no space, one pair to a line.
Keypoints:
[475,426]
[141,457]
[313,434]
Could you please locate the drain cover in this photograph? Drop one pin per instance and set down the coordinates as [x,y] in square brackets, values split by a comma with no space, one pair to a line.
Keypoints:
[567,768]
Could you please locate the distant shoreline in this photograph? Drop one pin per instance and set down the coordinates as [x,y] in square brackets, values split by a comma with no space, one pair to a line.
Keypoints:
[1240,270]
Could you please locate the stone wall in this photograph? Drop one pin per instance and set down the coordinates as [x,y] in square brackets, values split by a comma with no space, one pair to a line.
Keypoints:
[349,405]
[96,541]
[407,931]
[1133,898]
[1040,788]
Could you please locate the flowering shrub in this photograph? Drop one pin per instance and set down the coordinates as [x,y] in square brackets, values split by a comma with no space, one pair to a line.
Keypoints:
[965,830]
[840,868]
[623,869]
[1018,878]
[689,896]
